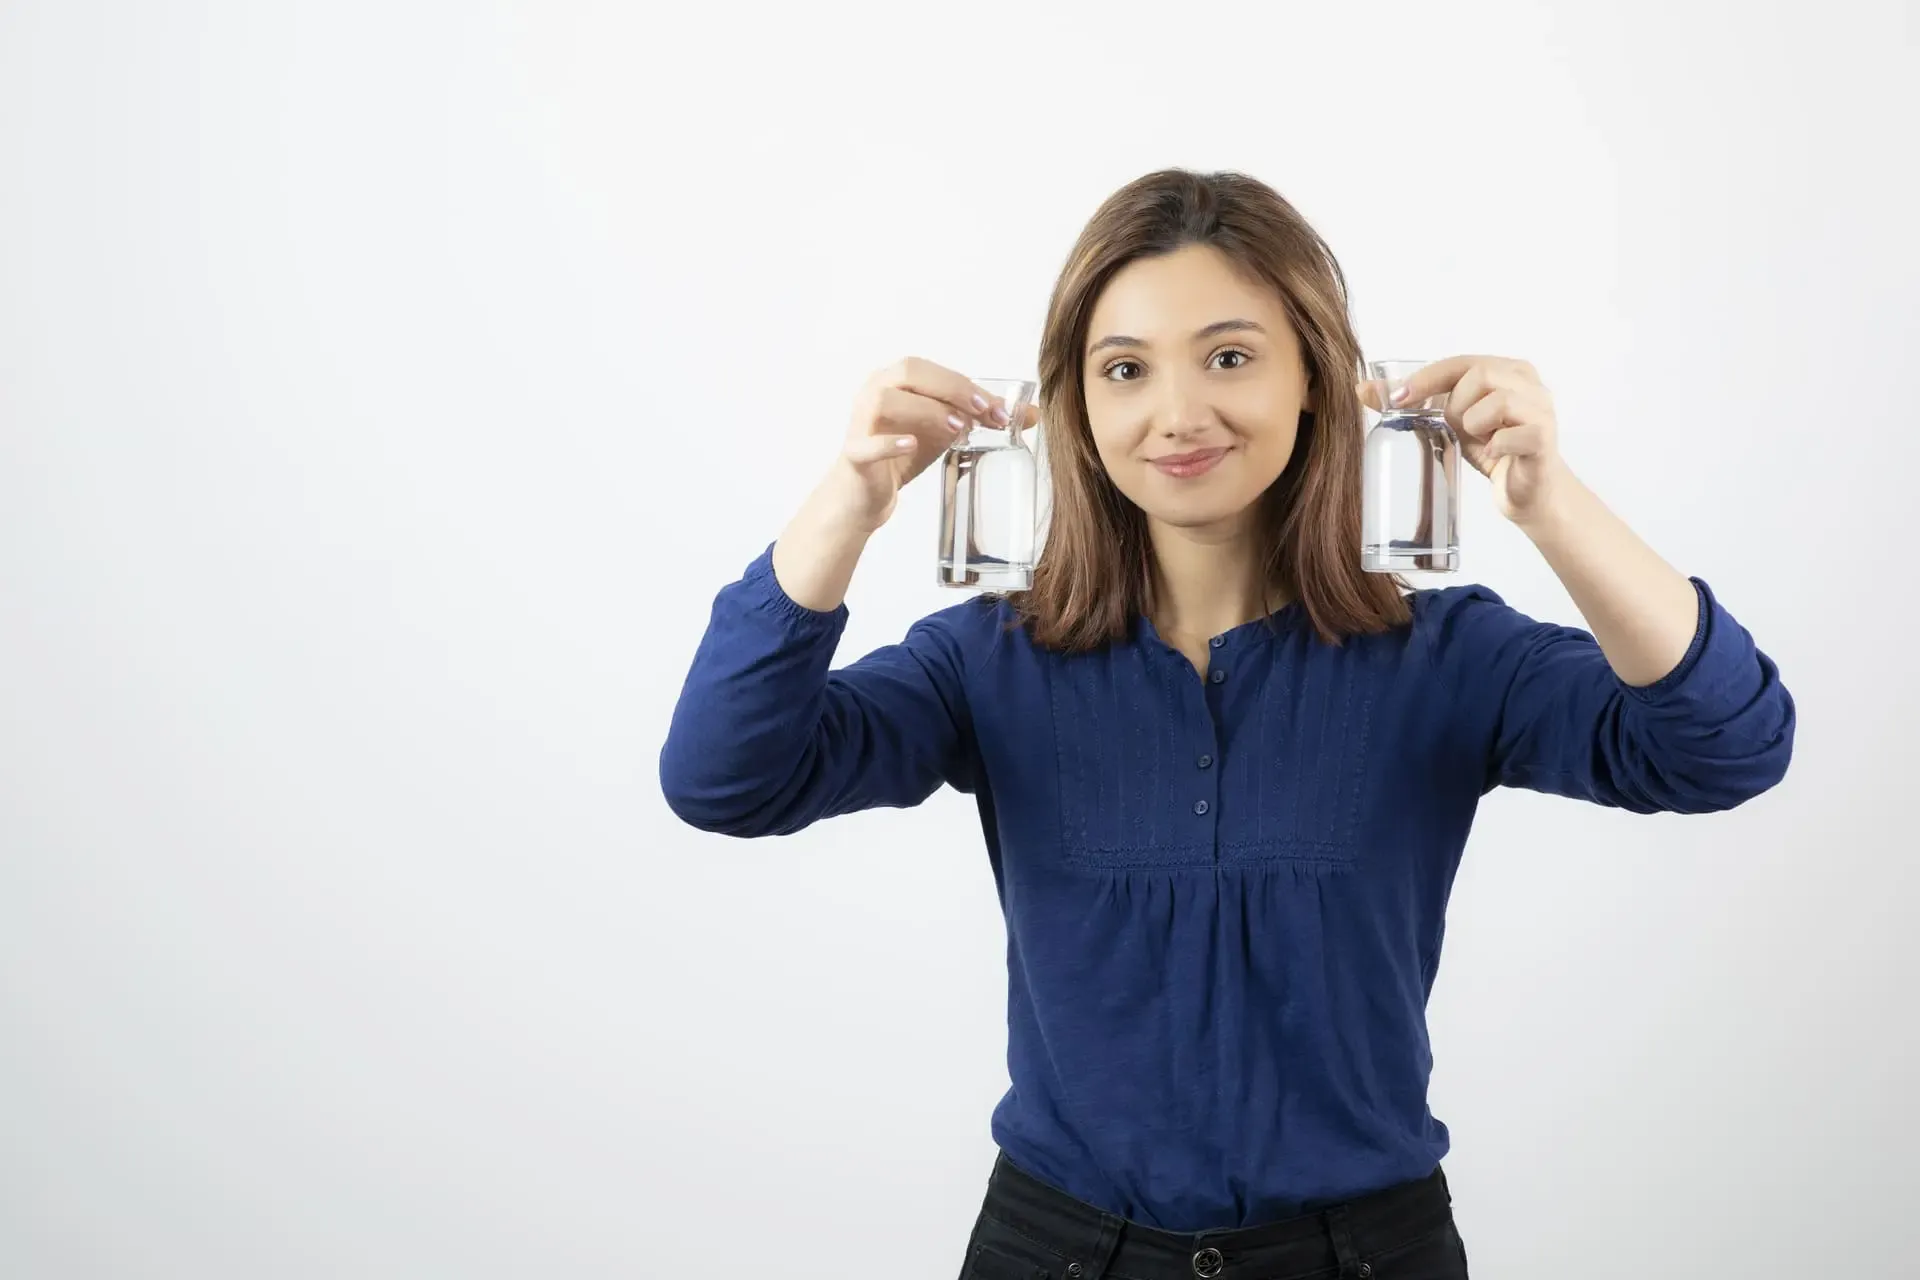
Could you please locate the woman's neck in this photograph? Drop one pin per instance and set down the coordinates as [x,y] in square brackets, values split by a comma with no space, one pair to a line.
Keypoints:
[1207,580]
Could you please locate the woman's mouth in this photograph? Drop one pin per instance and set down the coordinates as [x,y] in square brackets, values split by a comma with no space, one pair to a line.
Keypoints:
[1183,466]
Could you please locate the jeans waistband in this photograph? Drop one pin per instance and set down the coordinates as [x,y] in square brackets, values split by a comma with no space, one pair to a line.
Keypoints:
[1329,1237]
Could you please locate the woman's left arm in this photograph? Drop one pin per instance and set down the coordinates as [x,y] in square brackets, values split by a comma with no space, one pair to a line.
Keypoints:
[1667,704]
[1643,612]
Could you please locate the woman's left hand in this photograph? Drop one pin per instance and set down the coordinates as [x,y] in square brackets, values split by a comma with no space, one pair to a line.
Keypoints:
[1505,421]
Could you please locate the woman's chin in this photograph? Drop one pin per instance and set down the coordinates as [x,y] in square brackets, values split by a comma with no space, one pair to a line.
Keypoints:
[1196,513]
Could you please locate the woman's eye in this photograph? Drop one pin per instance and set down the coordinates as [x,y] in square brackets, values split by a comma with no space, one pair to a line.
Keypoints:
[1113,372]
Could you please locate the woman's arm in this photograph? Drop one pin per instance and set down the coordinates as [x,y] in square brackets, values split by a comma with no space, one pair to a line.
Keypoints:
[1667,704]
[1641,610]
[766,738]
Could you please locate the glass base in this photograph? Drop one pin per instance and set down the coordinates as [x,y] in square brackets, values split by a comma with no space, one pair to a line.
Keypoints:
[986,575]
[1394,558]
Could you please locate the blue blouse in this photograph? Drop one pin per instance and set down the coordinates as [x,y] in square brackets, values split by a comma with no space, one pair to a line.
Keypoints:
[1225,897]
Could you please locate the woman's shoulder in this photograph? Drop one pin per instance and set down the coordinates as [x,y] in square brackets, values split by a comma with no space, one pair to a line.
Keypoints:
[1469,610]
[973,629]
[1439,602]
[1476,623]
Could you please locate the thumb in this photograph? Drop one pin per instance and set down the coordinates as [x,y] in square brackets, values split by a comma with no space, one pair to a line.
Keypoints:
[870,449]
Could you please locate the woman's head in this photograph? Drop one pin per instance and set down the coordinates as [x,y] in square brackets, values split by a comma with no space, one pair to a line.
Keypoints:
[1194,387]
[1198,372]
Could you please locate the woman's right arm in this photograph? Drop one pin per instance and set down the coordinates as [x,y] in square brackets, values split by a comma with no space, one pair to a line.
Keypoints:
[765,738]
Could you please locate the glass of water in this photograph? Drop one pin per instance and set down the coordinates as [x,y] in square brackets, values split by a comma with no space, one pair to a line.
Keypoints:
[1410,473]
[987,498]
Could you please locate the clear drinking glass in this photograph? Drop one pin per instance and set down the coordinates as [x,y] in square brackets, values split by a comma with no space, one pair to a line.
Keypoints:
[987,493]
[1410,473]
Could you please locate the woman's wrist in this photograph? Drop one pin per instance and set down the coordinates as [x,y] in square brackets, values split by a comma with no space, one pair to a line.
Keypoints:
[815,555]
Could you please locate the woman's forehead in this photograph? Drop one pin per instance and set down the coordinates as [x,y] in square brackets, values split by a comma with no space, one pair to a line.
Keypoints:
[1171,296]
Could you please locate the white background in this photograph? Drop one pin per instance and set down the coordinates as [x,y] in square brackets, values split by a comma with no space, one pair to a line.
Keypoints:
[385,389]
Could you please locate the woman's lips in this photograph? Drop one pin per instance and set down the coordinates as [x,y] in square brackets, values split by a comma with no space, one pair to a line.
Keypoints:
[1183,466]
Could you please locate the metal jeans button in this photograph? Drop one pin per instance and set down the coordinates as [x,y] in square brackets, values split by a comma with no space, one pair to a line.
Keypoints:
[1207,1263]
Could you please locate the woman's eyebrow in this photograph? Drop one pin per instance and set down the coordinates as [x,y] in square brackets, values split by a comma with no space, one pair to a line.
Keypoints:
[1213,330]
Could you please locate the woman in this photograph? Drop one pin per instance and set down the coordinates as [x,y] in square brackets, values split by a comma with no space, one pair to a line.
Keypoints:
[1224,776]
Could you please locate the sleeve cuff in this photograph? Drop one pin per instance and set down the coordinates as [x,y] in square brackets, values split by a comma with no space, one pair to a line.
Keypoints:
[1720,657]
[761,590]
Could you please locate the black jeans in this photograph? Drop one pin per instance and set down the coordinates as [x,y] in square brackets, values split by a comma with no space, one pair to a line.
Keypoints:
[1029,1230]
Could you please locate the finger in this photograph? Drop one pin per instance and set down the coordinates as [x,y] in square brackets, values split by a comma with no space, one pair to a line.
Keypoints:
[1436,379]
[1486,379]
[1525,441]
[864,450]
[1467,407]
[896,409]
[1502,407]
[1031,416]
[956,391]
[1453,375]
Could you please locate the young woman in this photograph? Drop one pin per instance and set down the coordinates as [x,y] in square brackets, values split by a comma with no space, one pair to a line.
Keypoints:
[1224,776]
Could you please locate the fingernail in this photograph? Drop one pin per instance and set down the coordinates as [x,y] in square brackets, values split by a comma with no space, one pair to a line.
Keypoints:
[1001,416]
[904,442]
[953,420]
[1401,393]
[980,403]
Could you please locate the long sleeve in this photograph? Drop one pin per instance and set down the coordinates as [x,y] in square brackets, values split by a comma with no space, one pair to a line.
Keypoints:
[1715,731]
[766,739]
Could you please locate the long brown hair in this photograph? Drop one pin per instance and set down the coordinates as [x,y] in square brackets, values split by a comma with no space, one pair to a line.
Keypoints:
[1095,572]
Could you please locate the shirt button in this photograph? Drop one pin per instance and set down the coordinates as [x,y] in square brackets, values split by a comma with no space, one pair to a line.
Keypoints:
[1205,762]
[1199,806]
[1217,675]
[1217,641]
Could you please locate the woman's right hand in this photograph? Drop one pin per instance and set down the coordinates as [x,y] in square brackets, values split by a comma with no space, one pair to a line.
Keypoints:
[905,417]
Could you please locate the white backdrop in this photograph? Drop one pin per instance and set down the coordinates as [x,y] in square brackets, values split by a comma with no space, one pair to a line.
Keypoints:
[385,389]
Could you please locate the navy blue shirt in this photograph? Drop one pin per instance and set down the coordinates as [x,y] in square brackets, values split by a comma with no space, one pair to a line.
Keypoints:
[1224,897]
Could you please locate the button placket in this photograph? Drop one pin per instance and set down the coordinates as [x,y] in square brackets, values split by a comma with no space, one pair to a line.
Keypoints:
[1204,753]
[1207,801]
[1204,761]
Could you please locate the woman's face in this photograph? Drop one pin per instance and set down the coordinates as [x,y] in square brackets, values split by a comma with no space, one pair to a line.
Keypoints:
[1194,387]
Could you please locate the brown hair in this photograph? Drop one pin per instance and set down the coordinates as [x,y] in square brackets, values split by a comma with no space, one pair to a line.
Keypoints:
[1095,572]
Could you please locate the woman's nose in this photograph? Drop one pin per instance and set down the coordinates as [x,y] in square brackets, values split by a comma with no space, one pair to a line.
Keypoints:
[1182,408]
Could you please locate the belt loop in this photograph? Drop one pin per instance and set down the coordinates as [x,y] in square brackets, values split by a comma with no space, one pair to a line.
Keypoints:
[1340,1231]
[1104,1248]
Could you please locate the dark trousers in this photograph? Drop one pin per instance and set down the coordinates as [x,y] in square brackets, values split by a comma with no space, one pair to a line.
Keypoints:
[1029,1230]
